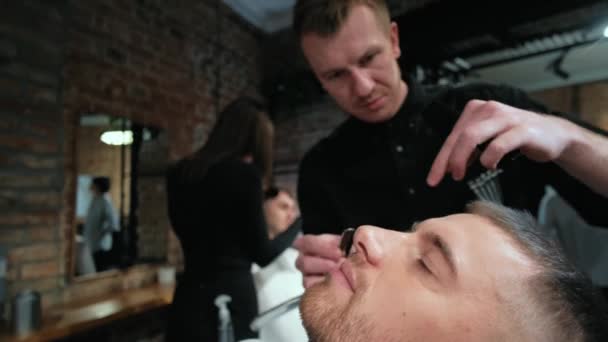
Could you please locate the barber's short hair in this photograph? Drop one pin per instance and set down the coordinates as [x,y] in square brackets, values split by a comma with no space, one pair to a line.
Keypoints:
[325,17]
[564,298]
[102,184]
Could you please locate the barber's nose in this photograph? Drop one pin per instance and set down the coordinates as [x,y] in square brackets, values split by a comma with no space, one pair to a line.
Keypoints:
[363,84]
[375,243]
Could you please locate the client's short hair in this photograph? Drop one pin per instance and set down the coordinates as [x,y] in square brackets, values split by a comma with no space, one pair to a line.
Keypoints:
[565,305]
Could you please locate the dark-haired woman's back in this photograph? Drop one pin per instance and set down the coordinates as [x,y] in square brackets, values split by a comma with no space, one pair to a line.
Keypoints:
[220,223]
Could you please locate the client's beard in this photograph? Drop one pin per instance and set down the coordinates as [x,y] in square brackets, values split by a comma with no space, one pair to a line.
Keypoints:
[326,322]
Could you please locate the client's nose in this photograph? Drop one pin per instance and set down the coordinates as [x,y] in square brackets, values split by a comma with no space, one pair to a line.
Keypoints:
[375,243]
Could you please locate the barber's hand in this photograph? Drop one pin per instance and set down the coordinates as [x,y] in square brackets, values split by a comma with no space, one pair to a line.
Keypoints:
[319,254]
[505,128]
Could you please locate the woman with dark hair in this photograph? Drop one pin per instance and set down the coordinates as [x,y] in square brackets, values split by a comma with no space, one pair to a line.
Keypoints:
[215,199]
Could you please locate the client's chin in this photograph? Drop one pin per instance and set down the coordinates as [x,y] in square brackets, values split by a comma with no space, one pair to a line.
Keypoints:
[325,314]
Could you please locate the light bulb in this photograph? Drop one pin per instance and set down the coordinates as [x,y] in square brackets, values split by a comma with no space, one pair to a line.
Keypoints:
[117,138]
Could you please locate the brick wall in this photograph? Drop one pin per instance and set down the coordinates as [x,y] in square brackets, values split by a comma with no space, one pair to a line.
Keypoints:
[158,66]
[151,61]
[32,52]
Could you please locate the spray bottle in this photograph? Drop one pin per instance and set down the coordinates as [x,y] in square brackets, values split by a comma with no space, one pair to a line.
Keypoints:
[225,330]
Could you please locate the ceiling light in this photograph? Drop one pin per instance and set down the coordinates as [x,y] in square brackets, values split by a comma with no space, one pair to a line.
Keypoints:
[117,138]
[606,32]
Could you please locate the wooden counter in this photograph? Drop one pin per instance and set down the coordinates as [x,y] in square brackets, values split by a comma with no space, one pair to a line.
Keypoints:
[80,317]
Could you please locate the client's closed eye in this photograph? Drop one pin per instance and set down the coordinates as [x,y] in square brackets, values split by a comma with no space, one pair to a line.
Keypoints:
[424,266]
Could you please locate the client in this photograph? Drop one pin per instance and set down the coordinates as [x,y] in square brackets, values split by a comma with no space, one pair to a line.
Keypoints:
[486,275]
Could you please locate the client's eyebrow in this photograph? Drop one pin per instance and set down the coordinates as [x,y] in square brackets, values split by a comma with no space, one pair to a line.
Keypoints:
[440,243]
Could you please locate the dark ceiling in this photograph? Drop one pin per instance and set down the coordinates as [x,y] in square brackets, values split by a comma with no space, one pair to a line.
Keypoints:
[433,31]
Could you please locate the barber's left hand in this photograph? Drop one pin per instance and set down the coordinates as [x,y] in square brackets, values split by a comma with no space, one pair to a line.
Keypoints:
[540,137]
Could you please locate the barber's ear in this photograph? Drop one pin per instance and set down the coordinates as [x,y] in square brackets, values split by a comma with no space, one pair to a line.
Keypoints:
[395,40]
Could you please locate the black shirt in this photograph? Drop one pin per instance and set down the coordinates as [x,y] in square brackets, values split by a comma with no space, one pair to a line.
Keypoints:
[366,173]
[219,220]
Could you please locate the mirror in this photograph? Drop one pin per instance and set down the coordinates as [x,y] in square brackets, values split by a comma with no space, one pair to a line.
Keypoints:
[120,216]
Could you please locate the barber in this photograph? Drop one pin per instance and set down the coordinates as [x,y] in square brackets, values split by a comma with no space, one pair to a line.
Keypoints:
[374,168]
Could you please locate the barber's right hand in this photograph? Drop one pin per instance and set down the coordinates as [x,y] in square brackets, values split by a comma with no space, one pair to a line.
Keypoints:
[319,254]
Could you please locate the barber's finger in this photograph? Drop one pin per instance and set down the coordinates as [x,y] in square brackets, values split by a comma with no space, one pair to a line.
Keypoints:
[469,113]
[441,162]
[312,280]
[466,146]
[308,264]
[324,245]
[503,144]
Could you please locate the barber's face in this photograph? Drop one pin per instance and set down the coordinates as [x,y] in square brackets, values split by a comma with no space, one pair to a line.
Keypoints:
[357,66]
[447,281]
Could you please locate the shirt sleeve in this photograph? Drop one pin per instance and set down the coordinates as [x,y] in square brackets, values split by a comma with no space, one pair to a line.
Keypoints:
[318,214]
[254,230]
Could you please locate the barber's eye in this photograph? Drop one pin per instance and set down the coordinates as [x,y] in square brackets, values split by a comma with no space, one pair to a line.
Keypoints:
[367,59]
[335,75]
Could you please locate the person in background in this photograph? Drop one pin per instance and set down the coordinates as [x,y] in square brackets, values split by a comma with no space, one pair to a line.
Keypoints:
[101,221]
[486,275]
[215,202]
[281,280]
[385,164]
[280,210]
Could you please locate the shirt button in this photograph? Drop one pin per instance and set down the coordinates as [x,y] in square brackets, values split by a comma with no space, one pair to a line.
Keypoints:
[399,148]
[411,191]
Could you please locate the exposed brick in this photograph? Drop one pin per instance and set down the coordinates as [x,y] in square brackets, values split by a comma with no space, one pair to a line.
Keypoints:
[11,273]
[43,233]
[8,49]
[40,270]
[28,161]
[28,144]
[9,199]
[28,218]
[19,181]
[145,74]
[10,236]
[15,199]
[11,88]
[51,299]
[33,253]
[40,285]
[49,199]
[42,94]
[31,73]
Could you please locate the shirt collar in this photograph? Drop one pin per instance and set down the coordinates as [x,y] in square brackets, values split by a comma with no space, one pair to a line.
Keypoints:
[414,101]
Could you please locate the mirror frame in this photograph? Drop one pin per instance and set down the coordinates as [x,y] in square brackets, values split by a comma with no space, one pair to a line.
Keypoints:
[69,222]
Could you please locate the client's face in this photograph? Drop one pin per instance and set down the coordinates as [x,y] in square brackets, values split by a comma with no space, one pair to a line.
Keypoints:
[449,280]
